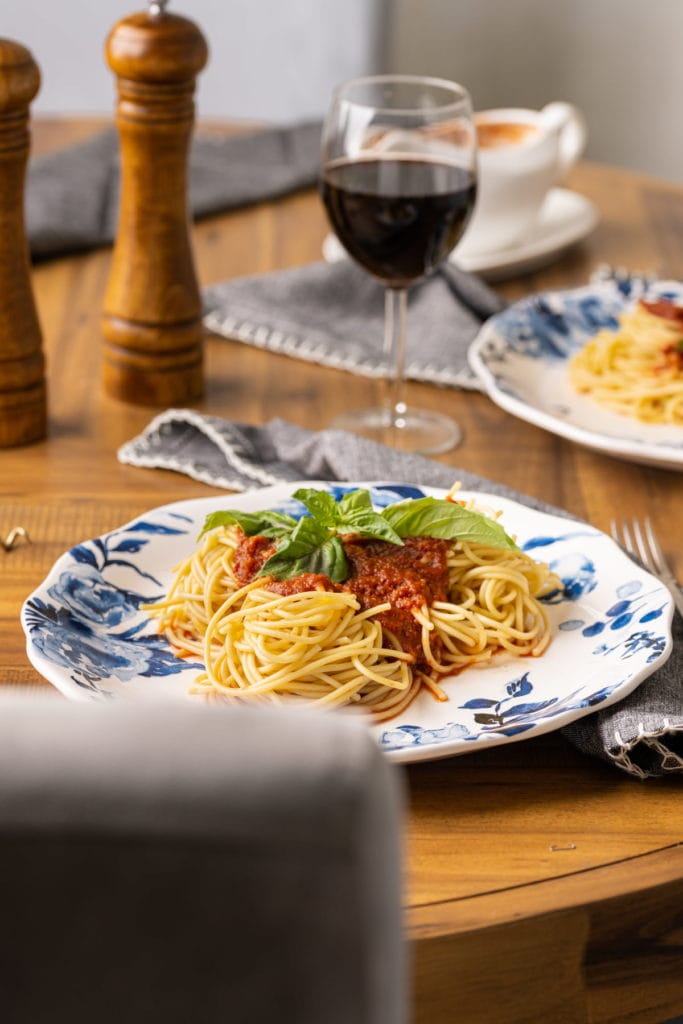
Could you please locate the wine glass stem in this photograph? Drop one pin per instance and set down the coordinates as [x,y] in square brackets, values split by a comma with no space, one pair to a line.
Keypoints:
[395,315]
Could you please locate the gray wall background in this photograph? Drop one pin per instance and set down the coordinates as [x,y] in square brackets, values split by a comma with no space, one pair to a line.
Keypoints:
[621,61]
[269,59]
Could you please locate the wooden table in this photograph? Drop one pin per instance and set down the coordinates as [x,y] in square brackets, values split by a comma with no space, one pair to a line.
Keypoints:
[541,885]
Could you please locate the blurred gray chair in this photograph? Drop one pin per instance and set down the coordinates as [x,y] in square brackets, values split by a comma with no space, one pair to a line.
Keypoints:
[193,865]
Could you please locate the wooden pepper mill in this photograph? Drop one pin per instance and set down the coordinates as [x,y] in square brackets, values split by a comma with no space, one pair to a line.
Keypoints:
[153,351]
[23,416]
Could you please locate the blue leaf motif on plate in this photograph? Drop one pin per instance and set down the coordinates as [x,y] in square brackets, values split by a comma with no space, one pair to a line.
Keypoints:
[154,528]
[654,613]
[506,717]
[515,730]
[620,614]
[578,575]
[77,631]
[81,553]
[66,640]
[479,702]
[642,640]
[388,493]
[415,736]
[131,547]
[86,594]
[520,687]
[553,325]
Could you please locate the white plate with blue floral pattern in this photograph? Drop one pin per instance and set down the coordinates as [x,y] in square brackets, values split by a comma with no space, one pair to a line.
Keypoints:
[521,356]
[611,622]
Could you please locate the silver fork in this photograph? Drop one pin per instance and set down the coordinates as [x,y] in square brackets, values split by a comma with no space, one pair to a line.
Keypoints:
[639,539]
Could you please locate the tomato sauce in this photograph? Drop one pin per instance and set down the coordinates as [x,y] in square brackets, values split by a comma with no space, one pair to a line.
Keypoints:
[300,584]
[673,360]
[667,309]
[407,577]
[250,556]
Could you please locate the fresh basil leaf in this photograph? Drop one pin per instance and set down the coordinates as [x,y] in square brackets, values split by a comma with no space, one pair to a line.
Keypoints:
[308,548]
[353,501]
[352,514]
[435,517]
[266,524]
[369,525]
[328,559]
[679,345]
[320,504]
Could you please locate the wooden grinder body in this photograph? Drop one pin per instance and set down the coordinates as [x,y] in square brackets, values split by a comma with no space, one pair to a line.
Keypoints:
[23,415]
[153,351]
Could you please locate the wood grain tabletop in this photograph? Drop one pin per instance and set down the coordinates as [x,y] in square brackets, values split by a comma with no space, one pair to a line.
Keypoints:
[541,885]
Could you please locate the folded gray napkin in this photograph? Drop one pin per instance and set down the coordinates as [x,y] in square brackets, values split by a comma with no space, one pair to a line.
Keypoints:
[333,313]
[72,196]
[643,734]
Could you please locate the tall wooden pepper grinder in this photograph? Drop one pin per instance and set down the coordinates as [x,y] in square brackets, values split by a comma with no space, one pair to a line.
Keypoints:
[153,350]
[22,367]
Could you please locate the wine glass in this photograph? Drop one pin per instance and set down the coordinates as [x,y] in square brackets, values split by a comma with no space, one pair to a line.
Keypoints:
[399,182]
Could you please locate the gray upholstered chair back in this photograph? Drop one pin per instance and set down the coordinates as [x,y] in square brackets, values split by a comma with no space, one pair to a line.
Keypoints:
[192,866]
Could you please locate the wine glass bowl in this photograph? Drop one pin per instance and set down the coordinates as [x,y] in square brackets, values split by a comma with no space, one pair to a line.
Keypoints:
[398,183]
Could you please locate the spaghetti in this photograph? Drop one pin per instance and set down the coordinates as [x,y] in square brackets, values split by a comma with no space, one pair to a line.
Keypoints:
[637,369]
[405,616]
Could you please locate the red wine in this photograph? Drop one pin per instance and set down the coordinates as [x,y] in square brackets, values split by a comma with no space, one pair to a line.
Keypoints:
[399,218]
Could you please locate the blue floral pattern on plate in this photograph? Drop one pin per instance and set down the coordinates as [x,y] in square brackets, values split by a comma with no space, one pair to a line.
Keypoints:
[89,634]
[520,356]
[77,627]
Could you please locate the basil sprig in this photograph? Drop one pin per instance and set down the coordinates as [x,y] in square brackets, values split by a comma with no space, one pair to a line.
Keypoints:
[310,547]
[263,524]
[314,542]
[435,517]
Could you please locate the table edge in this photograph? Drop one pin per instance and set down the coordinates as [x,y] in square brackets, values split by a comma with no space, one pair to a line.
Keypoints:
[586,889]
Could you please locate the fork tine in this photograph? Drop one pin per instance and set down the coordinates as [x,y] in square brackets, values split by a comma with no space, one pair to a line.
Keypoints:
[658,554]
[642,548]
[641,542]
[620,533]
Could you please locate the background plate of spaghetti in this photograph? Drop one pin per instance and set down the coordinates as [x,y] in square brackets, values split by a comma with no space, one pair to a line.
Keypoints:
[89,632]
[523,357]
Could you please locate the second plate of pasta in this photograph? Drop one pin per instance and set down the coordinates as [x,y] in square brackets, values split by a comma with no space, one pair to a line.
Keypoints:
[600,365]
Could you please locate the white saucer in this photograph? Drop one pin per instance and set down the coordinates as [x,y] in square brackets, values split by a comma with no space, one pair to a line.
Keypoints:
[566,218]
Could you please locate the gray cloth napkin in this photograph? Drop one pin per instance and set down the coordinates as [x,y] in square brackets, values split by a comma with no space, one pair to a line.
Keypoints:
[333,313]
[72,196]
[642,735]
[72,204]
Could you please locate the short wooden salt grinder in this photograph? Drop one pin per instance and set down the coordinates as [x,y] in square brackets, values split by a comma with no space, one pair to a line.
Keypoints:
[153,350]
[22,366]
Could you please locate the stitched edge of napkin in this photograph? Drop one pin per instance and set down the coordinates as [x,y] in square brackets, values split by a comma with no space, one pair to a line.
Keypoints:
[132,453]
[669,761]
[260,336]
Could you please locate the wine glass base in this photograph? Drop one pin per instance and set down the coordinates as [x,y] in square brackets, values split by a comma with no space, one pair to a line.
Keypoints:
[415,430]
